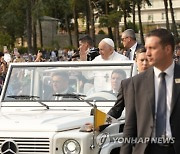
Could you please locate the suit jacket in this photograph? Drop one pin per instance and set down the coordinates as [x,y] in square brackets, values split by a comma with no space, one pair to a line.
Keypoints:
[122,97]
[140,114]
[137,47]
[92,54]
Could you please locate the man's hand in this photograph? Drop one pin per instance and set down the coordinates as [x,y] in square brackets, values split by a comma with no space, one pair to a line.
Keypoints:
[83,55]
[88,127]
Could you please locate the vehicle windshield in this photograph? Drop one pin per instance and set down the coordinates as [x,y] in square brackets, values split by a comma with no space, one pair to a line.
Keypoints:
[65,83]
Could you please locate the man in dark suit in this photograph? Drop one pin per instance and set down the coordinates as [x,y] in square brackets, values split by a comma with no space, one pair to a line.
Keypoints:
[87,51]
[60,84]
[130,44]
[123,92]
[145,118]
[116,77]
[122,97]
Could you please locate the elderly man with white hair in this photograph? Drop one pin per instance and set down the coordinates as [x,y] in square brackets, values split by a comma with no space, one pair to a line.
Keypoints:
[130,44]
[102,79]
[107,52]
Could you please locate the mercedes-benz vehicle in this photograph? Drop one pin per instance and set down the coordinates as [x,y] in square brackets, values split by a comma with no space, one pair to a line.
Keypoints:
[45,107]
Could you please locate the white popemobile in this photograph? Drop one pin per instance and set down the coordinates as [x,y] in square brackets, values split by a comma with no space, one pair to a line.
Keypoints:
[37,120]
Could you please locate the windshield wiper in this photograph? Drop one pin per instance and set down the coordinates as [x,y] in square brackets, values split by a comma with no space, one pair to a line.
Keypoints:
[24,97]
[72,95]
[43,104]
[28,97]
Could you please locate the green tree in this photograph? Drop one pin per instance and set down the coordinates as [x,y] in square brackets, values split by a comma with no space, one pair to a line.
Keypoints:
[76,27]
[127,9]
[12,19]
[91,18]
[5,39]
[37,12]
[63,11]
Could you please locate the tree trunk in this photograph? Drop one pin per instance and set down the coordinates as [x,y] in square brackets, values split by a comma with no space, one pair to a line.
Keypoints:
[125,20]
[68,30]
[22,41]
[174,26]
[110,33]
[92,27]
[76,31]
[87,18]
[117,37]
[166,13]
[140,23]
[40,33]
[134,14]
[29,26]
[34,37]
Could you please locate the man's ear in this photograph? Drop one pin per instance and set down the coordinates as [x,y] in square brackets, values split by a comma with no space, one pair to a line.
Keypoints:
[168,49]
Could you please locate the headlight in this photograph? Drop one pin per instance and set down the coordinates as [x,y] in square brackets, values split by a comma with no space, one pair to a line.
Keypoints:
[71,147]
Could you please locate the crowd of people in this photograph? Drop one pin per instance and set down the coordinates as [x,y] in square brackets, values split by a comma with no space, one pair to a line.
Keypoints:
[86,52]
[151,98]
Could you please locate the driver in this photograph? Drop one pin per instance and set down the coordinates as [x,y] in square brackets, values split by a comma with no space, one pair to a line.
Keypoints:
[116,77]
[112,85]
[60,83]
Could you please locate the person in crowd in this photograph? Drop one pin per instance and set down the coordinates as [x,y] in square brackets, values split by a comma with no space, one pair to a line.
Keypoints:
[102,79]
[3,70]
[70,54]
[141,60]
[53,56]
[107,52]
[123,91]
[39,57]
[153,108]
[87,51]
[130,44]
[60,83]
[3,65]
[177,52]
[7,56]
[17,57]
[116,77]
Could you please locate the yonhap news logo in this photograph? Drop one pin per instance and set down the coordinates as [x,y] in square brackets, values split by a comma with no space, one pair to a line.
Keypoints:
[103,140]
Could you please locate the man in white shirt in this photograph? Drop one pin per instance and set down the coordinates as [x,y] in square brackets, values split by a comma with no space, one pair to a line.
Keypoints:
[102,79]
[107,52]
[130,44]
[153,108]
[7,56]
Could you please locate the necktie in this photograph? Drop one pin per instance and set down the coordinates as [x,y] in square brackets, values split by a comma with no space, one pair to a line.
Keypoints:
[128,53]
[161,107]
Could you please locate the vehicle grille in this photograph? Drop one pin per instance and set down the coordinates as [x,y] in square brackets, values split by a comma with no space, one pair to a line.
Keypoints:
[29,145]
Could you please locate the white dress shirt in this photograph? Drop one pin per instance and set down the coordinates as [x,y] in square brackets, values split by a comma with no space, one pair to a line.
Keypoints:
[133,49]
[169,85]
